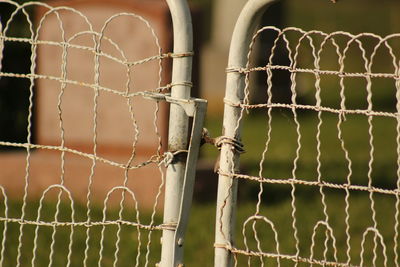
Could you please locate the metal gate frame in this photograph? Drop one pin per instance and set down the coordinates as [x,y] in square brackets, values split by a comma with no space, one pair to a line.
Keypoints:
[183,147]
[229,159]
[238,65]
[180,173]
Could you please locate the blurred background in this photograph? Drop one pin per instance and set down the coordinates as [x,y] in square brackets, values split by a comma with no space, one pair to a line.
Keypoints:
[214,21]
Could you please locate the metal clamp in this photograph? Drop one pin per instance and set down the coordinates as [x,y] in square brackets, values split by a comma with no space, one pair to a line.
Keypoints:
[195,108]
[188,105]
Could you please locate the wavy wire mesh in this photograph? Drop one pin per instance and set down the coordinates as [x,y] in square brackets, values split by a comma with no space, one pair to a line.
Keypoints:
[55,227]
[321,129]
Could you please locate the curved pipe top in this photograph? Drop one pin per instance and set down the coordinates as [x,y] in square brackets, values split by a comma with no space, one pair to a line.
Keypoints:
[244,30]
[183,43]
[182,25]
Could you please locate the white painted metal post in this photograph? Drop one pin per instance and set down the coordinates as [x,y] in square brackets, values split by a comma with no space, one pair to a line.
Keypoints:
[178,124]
[227,187]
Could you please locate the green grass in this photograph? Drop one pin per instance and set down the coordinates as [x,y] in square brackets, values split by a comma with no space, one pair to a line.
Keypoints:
[345,15]
[283,146]
[278,164]
[200,235]
[309,212]
[42,236]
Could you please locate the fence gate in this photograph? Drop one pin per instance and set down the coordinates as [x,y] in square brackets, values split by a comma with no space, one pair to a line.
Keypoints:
[326,185]
[101,100]
[338,190]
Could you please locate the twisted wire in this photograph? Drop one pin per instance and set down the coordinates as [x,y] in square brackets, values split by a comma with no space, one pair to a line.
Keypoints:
[95,247]
[294,42]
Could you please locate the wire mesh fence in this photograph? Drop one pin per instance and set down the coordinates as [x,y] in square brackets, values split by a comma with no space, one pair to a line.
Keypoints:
[319,118]
[65,203]
[320,123]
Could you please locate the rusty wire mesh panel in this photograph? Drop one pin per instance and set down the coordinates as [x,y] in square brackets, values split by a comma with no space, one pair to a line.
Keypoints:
[65,203]
[319,184]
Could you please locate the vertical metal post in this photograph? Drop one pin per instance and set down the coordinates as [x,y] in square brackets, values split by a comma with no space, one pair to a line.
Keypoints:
[199,107]
[227,187]
[178,124]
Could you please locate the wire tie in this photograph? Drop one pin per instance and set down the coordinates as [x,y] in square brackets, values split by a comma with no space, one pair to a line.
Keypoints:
[235,69]
[232,104]
[185,83]
[168,158]
[220,140]
[179,55]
